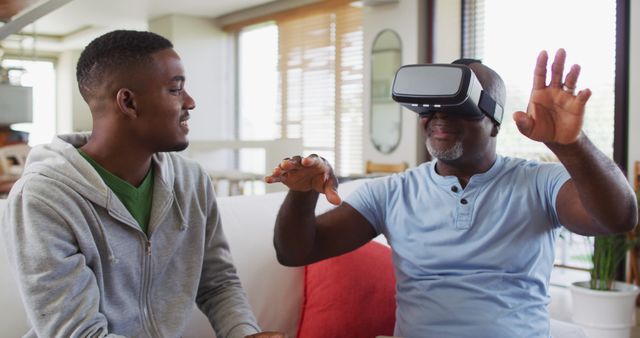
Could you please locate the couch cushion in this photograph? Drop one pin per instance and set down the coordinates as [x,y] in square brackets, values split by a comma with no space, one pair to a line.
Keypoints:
[14,322]
[352,295]
[274,291]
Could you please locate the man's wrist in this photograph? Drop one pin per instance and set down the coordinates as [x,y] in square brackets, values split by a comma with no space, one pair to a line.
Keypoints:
[568,148]
[304,195]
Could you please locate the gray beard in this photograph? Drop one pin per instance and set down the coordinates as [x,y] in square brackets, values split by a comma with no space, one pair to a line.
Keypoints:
[450,154]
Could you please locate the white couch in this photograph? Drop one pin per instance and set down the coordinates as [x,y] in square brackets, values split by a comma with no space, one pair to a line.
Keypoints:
[275,292]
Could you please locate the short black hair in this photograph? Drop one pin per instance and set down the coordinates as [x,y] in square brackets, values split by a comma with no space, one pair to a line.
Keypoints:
[113,51]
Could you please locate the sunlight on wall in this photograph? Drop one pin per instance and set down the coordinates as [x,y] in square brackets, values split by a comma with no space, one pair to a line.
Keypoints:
[40,75]
[258,95]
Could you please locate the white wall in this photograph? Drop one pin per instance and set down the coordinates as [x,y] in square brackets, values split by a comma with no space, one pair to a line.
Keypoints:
[447,29]
[73,112]
[205,52]
[407,18]
[64,110]
[207,56]
[634,87]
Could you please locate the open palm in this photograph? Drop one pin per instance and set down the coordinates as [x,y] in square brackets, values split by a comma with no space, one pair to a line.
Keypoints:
[554,114]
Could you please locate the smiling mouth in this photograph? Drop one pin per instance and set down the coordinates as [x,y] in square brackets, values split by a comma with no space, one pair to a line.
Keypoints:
[439,132]
[184,122]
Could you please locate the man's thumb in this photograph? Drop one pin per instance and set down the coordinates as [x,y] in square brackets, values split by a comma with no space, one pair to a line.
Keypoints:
[523,122]
[332,195]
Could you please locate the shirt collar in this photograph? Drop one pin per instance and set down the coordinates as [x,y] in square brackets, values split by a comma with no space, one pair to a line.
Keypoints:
[481,177]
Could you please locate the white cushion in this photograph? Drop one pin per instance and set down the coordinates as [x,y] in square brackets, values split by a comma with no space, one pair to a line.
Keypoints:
[274,291]
[14,322]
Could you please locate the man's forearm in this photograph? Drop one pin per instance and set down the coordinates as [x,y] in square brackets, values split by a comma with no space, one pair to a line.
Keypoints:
[602,187]
[295,227]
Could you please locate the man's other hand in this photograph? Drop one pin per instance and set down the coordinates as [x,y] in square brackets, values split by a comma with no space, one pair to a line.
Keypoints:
[312,173]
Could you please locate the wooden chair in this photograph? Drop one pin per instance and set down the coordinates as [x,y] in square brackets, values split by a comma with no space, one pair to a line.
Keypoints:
[389,168]
[12,160]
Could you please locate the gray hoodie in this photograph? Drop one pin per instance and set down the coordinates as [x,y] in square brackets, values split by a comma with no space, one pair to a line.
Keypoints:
[85,268]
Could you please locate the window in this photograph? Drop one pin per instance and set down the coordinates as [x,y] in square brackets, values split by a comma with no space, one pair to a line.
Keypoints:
[40,75]
[508,35]
[257,92]
[510,43]
[301,76]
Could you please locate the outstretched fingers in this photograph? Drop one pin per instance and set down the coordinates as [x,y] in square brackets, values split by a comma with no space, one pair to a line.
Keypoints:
[571,80]
[583,96]
[540,72]
[557,68]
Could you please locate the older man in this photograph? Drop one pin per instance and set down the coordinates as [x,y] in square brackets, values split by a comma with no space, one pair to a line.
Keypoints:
[472,233]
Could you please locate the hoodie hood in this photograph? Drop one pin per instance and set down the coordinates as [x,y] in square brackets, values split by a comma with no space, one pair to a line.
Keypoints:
[61,161]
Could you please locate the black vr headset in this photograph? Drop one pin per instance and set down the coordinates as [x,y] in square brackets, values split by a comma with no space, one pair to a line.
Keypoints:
[448,88]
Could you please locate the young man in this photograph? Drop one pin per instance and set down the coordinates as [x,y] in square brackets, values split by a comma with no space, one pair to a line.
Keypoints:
[471,232]
[111,234]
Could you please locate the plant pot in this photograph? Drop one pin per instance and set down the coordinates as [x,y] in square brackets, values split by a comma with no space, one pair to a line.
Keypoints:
[609,314]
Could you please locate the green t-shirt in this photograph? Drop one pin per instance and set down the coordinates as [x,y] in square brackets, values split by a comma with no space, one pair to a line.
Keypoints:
[136,200]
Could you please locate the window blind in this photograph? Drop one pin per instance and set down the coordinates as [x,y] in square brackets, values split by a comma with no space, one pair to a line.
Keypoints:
[320,81]
[318,93]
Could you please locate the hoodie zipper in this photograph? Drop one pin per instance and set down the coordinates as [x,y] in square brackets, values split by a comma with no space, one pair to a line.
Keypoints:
[145,289]
[149,324]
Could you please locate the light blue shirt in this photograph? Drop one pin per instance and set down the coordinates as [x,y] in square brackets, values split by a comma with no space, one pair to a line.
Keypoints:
[471,262]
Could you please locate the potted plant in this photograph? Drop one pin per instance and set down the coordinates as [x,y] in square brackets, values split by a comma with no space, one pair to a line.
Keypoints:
[603,306]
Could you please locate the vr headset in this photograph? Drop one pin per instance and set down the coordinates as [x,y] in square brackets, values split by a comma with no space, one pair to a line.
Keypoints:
[448,88]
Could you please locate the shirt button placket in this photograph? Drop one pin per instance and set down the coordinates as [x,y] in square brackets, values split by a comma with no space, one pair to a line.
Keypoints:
[464,214]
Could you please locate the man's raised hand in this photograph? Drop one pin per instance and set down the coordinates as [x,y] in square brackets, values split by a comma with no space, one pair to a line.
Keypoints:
[555,112]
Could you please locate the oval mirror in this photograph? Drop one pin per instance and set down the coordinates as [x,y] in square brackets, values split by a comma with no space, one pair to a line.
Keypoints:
[385,114]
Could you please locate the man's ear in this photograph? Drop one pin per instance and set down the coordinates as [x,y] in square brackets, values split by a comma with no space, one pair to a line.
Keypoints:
[125,99]
[495,129]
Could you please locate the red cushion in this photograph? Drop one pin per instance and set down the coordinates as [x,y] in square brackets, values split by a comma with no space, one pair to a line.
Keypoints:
[350,296]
